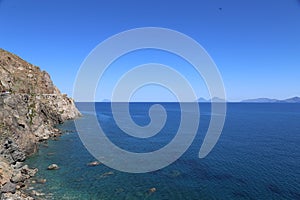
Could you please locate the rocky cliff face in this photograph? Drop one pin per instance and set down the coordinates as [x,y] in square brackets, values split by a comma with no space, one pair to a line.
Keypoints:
[30,106]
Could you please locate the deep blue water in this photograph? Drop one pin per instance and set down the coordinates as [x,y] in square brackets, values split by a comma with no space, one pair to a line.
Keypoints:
[256,157]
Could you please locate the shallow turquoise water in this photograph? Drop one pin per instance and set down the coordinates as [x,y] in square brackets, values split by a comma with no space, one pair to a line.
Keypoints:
[257,157]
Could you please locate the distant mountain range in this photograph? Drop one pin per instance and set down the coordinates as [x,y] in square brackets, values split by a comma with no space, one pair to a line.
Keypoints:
[267,100]
[214,99]
[106,100]
[258,100]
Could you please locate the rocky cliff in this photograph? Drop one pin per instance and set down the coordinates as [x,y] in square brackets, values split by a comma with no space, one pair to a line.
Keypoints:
[30,106]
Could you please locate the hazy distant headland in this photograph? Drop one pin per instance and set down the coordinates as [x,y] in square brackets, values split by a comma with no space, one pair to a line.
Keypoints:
[217,99]
[256,100]
[268,100]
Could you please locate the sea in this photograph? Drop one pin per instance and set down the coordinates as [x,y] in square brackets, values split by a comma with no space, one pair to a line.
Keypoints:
[256,157]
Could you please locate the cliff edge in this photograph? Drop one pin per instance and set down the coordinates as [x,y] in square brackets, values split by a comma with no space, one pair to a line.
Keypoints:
[30,106]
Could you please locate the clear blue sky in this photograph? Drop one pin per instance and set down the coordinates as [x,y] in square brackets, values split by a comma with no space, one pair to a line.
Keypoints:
[255,43]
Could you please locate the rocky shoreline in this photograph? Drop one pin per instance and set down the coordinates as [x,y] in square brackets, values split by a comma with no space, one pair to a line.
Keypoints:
[14,174]
[30,107]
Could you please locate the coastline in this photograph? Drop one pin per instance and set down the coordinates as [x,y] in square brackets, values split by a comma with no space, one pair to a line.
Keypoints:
[30,107]
[17,174]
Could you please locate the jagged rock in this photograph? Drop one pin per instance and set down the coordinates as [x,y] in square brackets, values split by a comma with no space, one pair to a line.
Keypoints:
[8,187]
[18,156]
[23,173]
[18,165]
[27,171]
[18,177]
[12,152]
[5,171]
[7,157]
[30,106]
[16,196]
[53,167]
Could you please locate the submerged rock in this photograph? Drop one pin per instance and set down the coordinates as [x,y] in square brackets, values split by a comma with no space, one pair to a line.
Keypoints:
[94,163]
[36,193]
[174,174]
[119,190]
[107,174]
[152,190]
[53,167]
[41,181]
